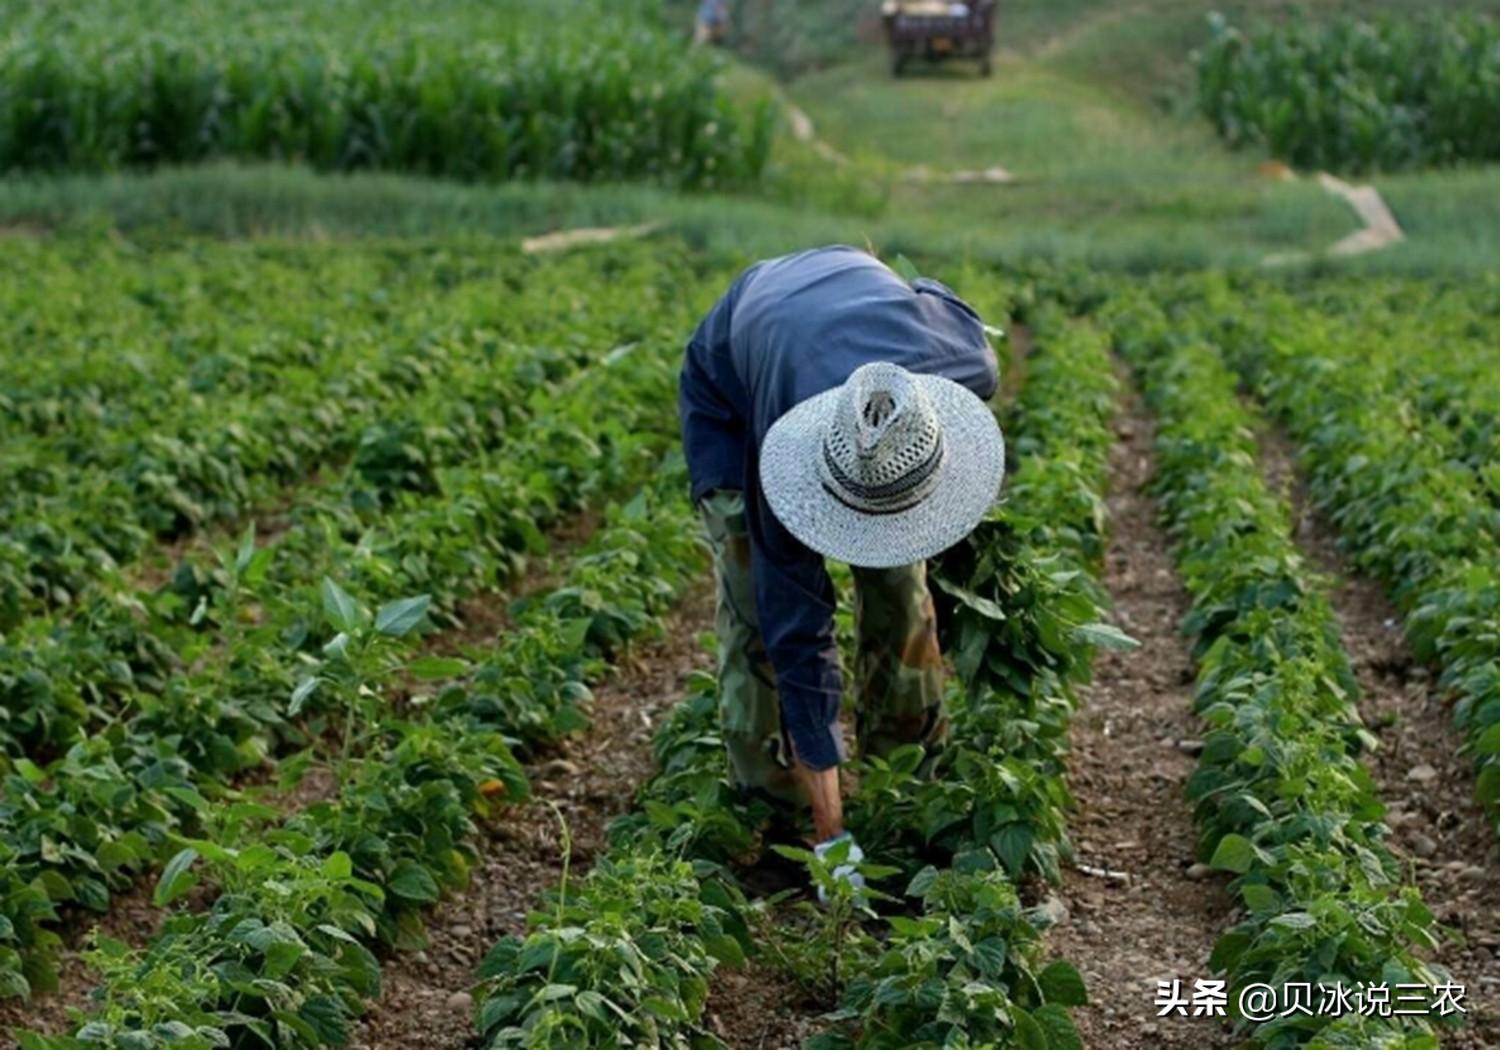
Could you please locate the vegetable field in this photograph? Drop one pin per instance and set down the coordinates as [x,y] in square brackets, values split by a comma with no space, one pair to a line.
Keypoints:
[357,624]
[314,557]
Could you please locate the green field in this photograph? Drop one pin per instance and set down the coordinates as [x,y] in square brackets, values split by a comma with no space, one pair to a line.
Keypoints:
[354,616]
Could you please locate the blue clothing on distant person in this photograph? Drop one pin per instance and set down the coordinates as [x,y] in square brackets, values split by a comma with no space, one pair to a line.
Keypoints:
[788,329]
[712,12]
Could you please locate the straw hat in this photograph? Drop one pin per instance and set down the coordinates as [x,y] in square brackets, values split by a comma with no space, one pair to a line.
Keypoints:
[888,469]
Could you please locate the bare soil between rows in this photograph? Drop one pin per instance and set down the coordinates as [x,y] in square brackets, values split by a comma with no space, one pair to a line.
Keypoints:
[1134,909]
[589,778]
[592,778]
[1437,828]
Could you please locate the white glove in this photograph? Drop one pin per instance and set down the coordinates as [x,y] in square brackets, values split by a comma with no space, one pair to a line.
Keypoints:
[846,871]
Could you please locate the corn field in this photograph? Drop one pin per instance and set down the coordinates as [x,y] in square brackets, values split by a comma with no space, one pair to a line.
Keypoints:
[592,97]
[1358,96]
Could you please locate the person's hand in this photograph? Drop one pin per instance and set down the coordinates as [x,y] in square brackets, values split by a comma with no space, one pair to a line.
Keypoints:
[822,790]
[845,871]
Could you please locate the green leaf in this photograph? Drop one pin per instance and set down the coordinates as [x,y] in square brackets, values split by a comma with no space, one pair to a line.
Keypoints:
[1105,636]
[1487,786]
[327,1017]
[1062,1034]
[1489,741]
[1234,853]
[1029,1033]
[281,958]
[342,611]
[300,694]
[176,879]
[665,1008]
[210,851]
[591,1004]
[1295,920]
[1063,985]
[412,882]
[432,668]
[338,865]
[188,797]
[1261,899]
[1012,844]
[985,607]
[922,881]
[14,986]
[725,949]
[246,552]
[30,771]
[400,616]
[906,269]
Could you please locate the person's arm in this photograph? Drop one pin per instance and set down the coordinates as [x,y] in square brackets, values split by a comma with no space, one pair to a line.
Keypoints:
[713,427]
[794,600]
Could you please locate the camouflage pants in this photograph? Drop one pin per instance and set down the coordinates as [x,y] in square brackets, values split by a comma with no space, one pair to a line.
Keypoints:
[898,668]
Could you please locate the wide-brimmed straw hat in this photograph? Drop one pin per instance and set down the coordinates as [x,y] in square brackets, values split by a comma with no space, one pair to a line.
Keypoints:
[888,469]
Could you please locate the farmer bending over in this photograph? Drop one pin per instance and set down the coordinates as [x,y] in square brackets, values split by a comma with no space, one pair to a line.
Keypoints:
[831,409]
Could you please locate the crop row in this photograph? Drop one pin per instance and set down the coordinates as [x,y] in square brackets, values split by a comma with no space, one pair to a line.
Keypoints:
[283,954]
[1355,95]
[623,956]
[1281,798]
[1023,619]
[589,94]
[1435,353]
[1406,509]
[233,644]
[466,526]
[620,959]
[394,414]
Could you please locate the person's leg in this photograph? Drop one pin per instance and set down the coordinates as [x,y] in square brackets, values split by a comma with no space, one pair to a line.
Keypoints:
[760,756]
[898,667]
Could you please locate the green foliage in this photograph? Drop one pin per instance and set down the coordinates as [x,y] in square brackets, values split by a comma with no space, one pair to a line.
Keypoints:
[1022,614]
[1281,799]
[283,954]
[622,960]
[123,724]
[1354,95]
[788,37]
[192,384]
[962,974]
[592,93]
[1401,474]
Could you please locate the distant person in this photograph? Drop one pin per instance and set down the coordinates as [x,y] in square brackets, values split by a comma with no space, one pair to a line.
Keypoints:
[713,22]
[832,409]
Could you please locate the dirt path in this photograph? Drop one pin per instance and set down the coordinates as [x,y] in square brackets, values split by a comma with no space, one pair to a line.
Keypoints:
[1145,914]
[593,777]
[1427,785]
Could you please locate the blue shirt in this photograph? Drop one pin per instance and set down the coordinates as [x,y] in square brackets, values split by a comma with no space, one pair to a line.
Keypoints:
[788,329]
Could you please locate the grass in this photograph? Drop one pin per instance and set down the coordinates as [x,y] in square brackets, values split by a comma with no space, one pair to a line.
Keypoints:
[278,202]
[1096,173]
[1091,108]
[1087,107]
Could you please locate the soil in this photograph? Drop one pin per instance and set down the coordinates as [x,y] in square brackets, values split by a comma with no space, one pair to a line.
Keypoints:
[589,779]
[1134,909]
[761,1008]
[1437,829]
[131,918]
